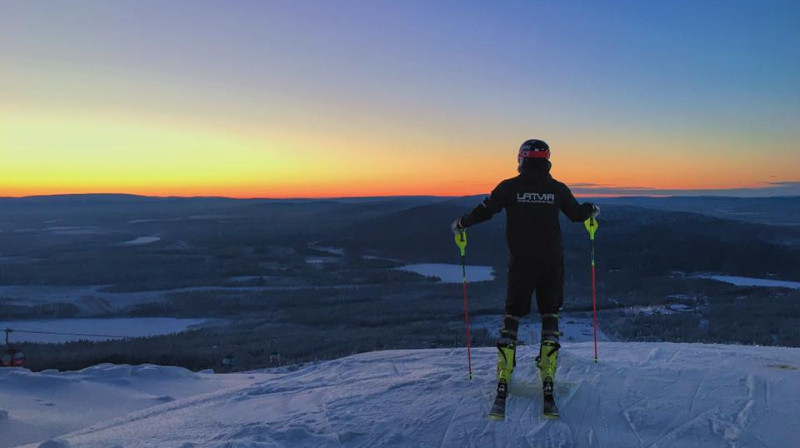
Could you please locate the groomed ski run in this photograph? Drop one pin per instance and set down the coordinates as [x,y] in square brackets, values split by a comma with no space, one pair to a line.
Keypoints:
[639,395]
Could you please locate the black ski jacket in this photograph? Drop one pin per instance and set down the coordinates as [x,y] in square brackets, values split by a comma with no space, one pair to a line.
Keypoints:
[532,201]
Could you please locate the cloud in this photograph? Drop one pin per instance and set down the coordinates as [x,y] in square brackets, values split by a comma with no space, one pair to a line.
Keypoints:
[588,185]
[795,183]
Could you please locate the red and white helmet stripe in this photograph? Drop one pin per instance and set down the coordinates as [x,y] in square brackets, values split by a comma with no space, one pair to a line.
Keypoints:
[535,154]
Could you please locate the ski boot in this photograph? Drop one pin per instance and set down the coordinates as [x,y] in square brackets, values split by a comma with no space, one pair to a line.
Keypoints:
[549,333]
[547,363]
[506,360]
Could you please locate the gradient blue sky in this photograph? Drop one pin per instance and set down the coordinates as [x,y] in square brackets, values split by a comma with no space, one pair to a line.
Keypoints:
[355,98]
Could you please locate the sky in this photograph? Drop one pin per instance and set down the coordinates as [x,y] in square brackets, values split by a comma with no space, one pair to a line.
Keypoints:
[304,98]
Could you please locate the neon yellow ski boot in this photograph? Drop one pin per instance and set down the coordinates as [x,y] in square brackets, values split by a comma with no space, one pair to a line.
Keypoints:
[506,359]
[548,360]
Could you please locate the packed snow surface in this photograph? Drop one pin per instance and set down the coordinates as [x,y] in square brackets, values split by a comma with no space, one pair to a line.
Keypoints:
[749,281]
[44,405]
[451,273]
[638,395]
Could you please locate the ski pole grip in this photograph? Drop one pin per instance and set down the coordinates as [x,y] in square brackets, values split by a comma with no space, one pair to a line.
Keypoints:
[591,226]
[461,241]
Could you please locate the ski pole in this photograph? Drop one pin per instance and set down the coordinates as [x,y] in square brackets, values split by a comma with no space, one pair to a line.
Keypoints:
[461,242]
[591,226]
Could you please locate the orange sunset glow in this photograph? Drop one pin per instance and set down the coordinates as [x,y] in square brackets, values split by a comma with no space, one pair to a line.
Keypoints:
[353,111]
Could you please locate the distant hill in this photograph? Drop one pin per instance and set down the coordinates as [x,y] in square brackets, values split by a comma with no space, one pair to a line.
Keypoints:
[81,233]
[640,240]
[780,210]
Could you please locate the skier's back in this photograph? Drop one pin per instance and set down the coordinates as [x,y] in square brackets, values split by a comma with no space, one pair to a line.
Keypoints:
[532,201]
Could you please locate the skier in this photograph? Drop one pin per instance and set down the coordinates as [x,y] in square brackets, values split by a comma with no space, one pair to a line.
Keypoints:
[532,201]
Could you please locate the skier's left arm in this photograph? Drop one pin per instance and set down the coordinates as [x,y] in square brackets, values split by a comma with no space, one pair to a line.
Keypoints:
[574,210]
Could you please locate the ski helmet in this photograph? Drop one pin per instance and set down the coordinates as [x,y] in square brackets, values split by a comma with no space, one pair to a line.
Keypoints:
[534,149]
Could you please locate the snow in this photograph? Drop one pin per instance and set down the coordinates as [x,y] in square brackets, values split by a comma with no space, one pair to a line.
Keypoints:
[639,394]
[749,281]
[129,327]
[649,310]
[46,405]
[451,273]
[141,241]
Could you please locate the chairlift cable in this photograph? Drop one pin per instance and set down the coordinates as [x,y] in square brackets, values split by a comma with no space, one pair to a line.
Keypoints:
[11,330]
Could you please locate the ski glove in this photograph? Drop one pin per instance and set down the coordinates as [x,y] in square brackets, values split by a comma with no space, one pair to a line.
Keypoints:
[595,211]
[456,227]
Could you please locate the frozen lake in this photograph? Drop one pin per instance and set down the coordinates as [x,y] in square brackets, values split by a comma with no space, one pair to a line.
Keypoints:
[451,273]
[749,281]
[128,327]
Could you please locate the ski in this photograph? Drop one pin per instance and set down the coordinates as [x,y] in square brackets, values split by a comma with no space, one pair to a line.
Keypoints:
[549,407]
[498,411]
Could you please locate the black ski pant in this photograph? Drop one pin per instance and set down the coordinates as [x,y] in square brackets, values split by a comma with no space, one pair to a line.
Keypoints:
[526,278]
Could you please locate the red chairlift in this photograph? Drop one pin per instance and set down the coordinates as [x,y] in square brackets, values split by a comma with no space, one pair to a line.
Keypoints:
[11,357]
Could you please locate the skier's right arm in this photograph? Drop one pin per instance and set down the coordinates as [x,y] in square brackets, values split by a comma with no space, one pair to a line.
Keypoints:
[488,208]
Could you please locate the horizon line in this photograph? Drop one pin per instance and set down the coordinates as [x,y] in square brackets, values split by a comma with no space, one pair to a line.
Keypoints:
[579,189]
[644,193]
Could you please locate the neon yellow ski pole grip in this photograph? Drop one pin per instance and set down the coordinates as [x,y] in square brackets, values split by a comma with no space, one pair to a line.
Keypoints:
[591,226]
[461,242]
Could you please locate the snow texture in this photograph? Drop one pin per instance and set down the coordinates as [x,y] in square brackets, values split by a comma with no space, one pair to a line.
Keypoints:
[451,273]
[55,443]
[42,407]
[639,395]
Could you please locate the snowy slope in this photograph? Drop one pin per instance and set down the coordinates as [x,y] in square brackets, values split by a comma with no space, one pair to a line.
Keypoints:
[640,394]
[35,406]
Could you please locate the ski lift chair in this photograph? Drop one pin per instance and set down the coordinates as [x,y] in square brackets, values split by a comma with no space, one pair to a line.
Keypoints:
[12,358]
[18,359]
